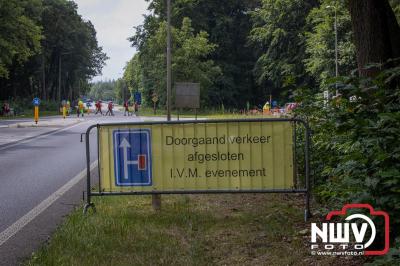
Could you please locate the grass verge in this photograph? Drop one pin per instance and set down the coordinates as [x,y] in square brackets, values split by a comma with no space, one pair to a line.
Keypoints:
[211,114]
[190,230]
[28,114]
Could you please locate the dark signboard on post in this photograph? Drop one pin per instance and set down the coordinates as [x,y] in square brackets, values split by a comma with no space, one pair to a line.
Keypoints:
[187,95]
[138,98]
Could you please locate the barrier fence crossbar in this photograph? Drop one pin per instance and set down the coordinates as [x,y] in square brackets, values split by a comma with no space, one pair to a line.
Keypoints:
[142,127]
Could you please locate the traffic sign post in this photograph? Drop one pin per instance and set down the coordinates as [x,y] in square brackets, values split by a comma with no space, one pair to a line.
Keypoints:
[36,114]
[138,98]
[36,103]
[154,100]
[156,198]
[187,95]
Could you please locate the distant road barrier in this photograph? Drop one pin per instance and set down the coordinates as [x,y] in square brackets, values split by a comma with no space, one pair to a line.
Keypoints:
[199,157]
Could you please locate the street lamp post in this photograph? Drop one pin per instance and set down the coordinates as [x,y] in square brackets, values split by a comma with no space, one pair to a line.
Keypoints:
[169,74]
[336,48]
[156,198]
[59,75]
[44,94]
[59,79]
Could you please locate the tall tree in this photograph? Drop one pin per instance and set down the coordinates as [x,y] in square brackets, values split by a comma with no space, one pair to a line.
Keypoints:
[19,33]
[47,50]
[228,24]
[70,49]
[103,90]
[122,92]
[191,51]
[278,35]
[376,33]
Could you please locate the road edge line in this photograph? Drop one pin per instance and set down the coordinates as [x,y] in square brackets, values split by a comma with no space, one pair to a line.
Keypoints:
[41,207]
[29,139]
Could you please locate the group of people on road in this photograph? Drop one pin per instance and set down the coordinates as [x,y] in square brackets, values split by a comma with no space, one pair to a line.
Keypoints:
[67,107]
[110,108]
[130,108]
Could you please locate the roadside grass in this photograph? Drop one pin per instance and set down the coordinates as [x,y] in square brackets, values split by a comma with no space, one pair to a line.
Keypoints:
[238,116]
[189,230]
[210,114]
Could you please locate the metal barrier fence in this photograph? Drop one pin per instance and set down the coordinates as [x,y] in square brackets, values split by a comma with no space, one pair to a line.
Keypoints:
[199,157]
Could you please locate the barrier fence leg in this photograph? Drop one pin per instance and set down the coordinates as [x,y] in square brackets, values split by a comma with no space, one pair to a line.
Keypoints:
[88,204]
[88,188]
[156,202]
[307,213]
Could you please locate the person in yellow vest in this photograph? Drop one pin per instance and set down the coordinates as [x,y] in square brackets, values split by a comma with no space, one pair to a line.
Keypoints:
[80,108]
[68,106]
[266,108]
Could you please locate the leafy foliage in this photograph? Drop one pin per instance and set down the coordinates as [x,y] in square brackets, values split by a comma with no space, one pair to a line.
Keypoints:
[147,71]
[391,258]
[278,33]
[103,90]
[73,41]
[41,39]
[122,92]
[20,34]
[396,8]
[355,142]
[227,25]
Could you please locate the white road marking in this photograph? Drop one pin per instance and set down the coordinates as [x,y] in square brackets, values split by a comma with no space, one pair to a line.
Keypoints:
[32,214]
[42,136]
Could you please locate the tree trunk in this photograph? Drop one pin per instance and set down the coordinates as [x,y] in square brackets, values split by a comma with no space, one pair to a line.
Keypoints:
[376,33]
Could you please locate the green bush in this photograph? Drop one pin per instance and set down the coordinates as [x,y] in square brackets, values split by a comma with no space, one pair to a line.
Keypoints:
[27,105]
[356,142]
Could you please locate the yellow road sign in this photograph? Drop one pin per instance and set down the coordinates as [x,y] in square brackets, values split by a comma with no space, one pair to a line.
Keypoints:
[256,155]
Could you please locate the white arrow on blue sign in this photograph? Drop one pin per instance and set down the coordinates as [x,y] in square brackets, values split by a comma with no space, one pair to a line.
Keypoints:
[132,157]
[36,101]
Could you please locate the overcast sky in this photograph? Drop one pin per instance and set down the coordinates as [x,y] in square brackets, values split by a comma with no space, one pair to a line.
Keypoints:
[114,21]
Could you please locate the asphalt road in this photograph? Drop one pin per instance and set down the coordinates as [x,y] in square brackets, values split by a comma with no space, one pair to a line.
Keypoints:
[30,173]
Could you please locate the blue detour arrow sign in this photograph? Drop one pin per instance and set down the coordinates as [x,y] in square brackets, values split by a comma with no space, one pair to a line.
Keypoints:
[36,101]
[132,157]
